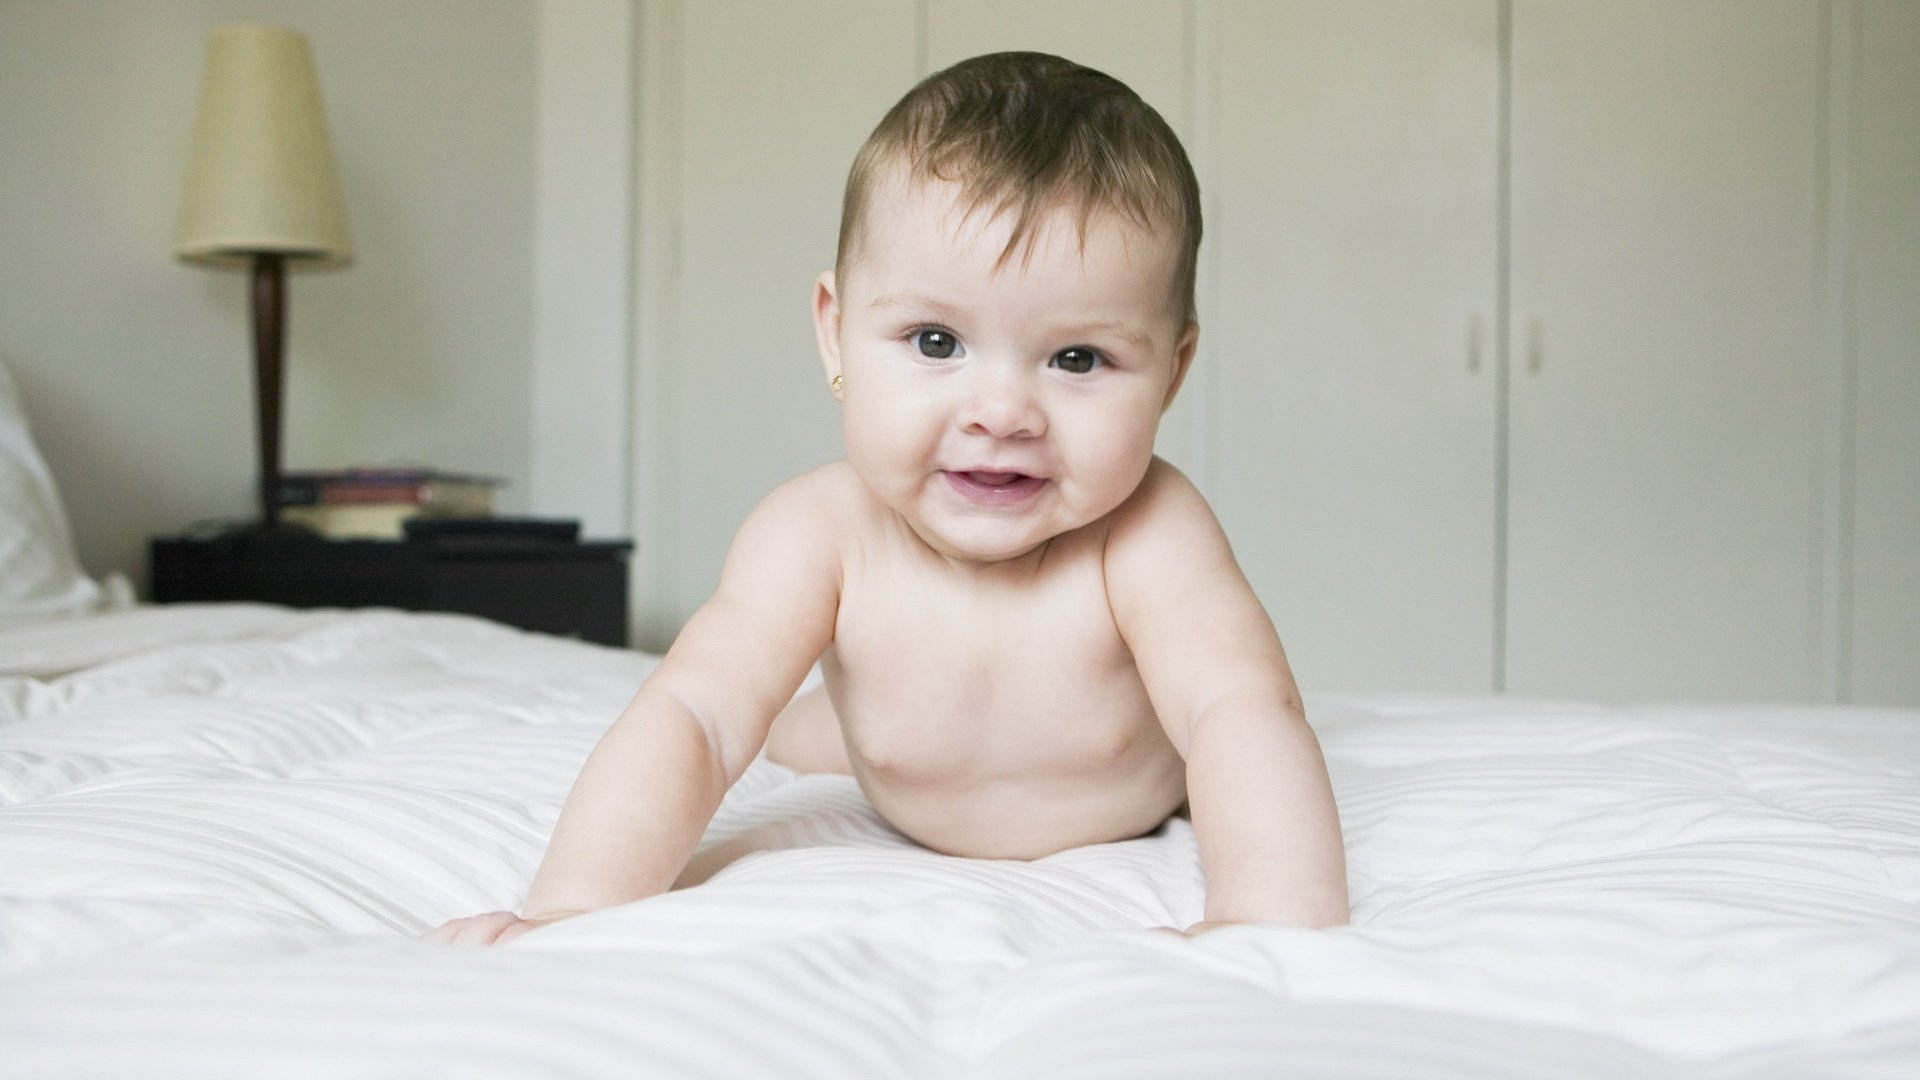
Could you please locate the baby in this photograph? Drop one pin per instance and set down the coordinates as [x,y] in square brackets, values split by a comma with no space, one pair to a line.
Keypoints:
[1033,633]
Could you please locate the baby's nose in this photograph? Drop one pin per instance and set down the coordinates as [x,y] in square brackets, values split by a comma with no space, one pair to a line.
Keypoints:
[1006,408]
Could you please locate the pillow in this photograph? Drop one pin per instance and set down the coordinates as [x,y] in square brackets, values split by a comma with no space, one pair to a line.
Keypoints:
[40,573]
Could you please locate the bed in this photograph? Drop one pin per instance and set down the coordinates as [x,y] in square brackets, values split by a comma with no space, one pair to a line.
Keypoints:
[222,828]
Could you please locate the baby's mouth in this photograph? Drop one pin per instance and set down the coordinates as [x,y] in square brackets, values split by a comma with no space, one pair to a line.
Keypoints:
[994,488]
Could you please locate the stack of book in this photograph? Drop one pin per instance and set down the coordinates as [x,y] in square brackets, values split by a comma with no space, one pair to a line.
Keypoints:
[375,503]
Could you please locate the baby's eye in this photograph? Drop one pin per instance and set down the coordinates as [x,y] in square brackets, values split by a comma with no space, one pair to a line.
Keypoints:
[936,344]
[1077,360]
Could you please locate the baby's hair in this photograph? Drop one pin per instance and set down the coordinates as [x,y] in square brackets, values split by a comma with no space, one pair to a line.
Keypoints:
[1029,133]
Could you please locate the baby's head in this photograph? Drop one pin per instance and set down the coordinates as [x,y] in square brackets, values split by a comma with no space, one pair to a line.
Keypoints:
[1031,135]
[1011,308]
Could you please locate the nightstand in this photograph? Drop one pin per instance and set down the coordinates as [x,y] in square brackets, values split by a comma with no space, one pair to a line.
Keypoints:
[577,589]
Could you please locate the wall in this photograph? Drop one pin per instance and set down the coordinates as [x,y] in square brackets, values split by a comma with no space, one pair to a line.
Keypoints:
[581,448]
[138,369]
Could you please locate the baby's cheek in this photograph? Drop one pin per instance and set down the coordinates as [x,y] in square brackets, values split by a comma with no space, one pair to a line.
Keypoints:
[1130,461]
[885,454]
[1133,447]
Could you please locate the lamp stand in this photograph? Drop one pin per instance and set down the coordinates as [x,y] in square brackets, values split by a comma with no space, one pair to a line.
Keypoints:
[269,348]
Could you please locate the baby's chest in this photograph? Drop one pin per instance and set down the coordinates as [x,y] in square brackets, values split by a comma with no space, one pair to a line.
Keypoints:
[1030,675]
[1057,625]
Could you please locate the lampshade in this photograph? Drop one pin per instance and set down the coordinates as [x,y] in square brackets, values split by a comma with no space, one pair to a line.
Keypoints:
[262,178]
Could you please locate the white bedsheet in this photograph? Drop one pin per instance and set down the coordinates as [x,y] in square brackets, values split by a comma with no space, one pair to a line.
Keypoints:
[221,828]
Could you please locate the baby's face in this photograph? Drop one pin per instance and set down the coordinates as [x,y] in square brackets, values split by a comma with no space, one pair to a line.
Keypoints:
[996,406]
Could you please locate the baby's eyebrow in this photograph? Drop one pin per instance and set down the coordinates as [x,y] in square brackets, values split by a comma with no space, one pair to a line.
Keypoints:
[912,301]
[1131,335]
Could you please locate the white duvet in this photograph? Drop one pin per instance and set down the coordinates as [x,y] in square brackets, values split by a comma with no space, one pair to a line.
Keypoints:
[221,829]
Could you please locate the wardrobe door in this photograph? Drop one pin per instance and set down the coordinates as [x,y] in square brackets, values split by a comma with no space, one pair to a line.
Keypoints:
[1666,390]
[1886,237]
[1346,345]
[744,156]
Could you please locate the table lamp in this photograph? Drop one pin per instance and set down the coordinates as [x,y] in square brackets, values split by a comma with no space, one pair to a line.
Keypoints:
[262,190]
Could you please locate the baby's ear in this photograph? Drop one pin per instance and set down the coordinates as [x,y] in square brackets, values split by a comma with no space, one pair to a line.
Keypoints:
[826,322]
[1183,352]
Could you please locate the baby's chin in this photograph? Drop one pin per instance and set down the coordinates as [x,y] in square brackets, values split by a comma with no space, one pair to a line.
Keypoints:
[971,545]
[987,542]
[980,542]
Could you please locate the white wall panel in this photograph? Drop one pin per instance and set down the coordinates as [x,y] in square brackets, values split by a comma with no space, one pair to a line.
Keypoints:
[1356,150]
[1666,389]
[768,102]
[1886,593]
[581,452]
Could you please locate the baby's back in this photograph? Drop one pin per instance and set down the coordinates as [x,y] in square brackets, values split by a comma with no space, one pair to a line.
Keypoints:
[993,711]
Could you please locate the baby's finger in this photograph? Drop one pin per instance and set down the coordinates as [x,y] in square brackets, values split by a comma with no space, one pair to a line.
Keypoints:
[444,933]
[486,929]
[515,931]
[474,929]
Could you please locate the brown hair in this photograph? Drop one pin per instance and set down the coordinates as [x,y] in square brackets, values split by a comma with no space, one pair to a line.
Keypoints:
[1029,133]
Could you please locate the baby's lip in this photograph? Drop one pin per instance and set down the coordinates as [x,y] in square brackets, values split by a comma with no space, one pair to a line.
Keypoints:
[994,487]
[997,474]
[994,479]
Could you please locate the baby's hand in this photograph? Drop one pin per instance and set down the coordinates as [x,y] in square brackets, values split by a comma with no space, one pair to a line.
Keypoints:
[493,928]
[1192,931]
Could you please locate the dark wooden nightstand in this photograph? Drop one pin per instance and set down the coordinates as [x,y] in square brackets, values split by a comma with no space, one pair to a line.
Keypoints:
[569,588]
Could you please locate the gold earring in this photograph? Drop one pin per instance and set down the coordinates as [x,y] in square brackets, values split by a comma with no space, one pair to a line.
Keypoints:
[835,384]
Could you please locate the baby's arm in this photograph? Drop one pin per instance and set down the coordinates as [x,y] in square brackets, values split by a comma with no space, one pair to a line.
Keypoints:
[1263,809]
[651,785]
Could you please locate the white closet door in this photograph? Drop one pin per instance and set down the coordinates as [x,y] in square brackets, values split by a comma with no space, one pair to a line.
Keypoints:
[1886,593]
[1353,152]
[1665,384]
[747,160]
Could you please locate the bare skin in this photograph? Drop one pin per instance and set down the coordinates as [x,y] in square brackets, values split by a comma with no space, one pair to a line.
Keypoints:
[1014,727]
[1033,632]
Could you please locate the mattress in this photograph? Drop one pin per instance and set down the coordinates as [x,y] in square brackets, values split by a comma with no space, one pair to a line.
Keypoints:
[222,829]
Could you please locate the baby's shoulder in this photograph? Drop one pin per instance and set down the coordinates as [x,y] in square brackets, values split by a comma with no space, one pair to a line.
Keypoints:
[823,500]
[1166,518]
[1165,500]
[795,530]
[832,489]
